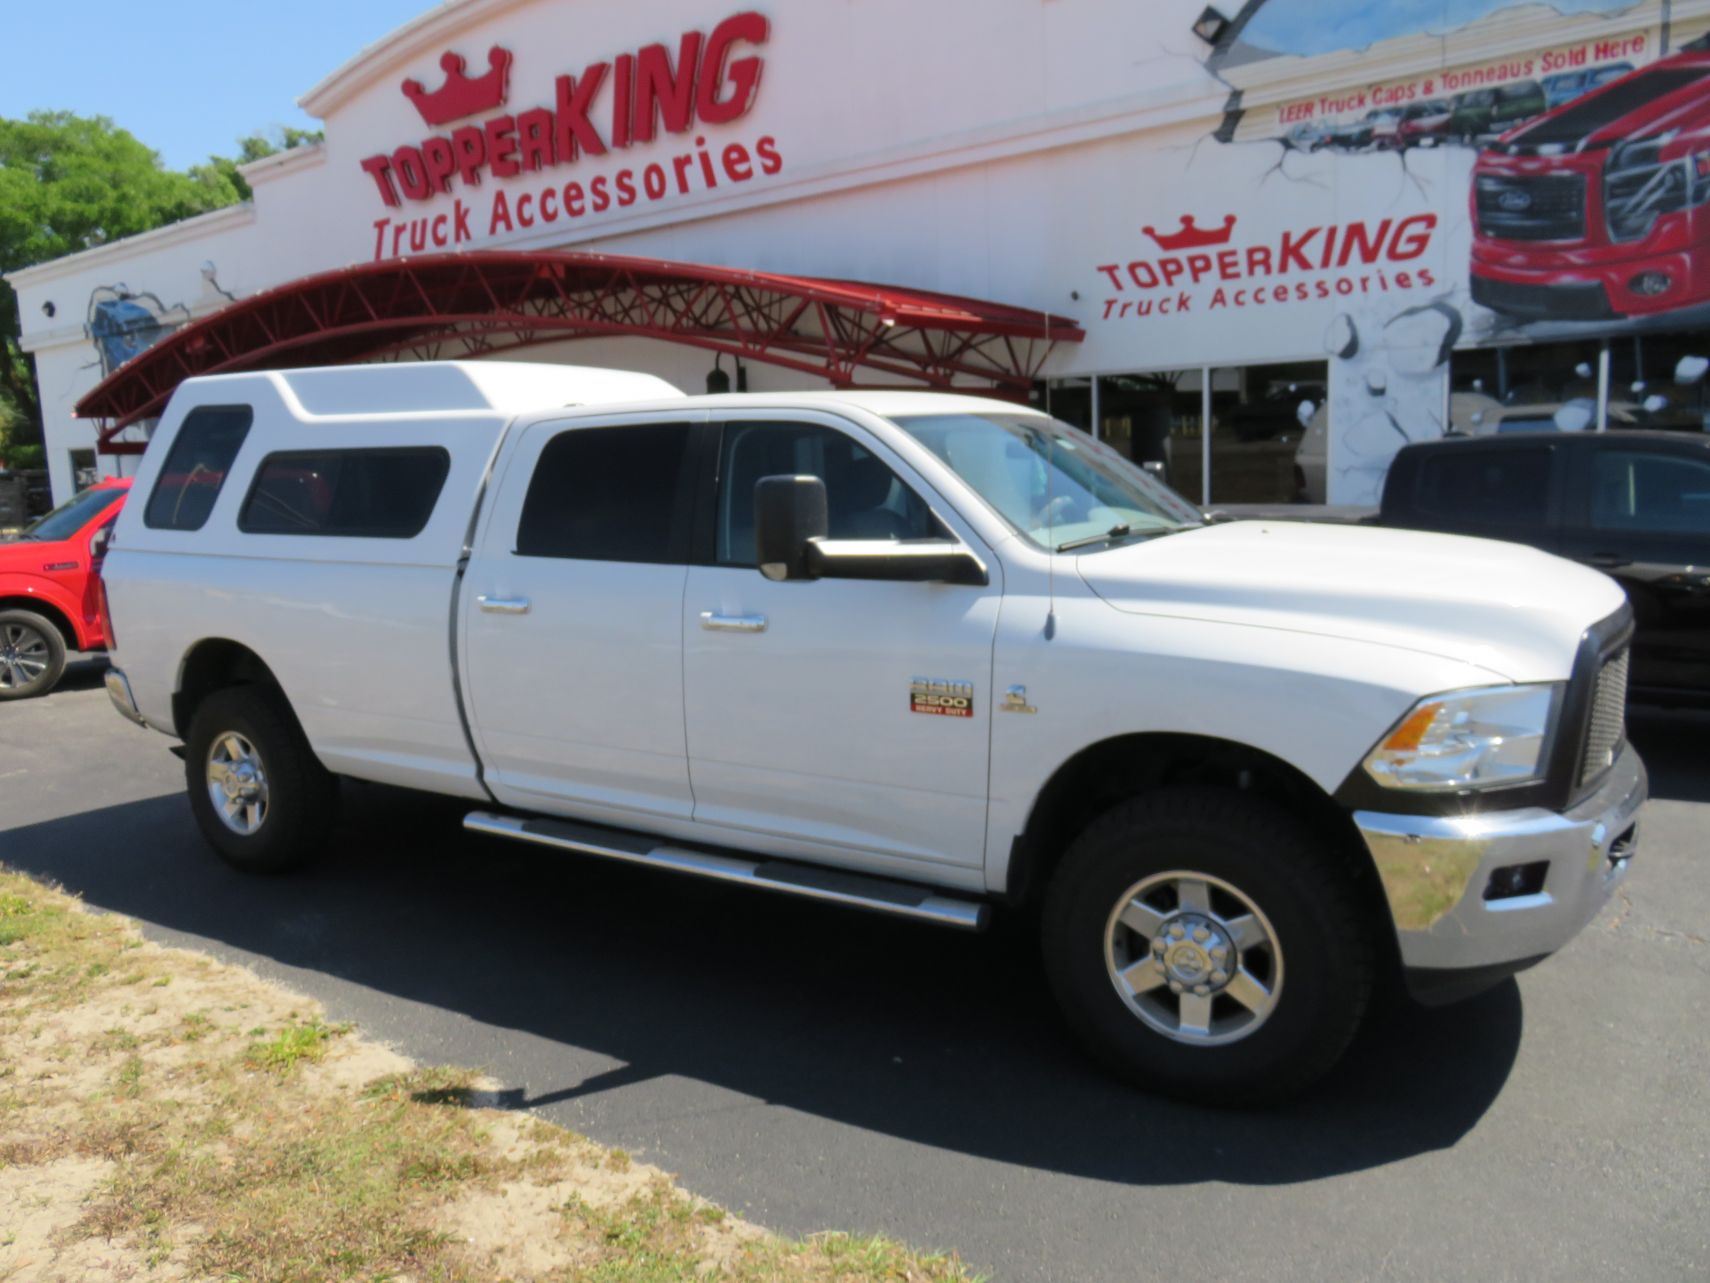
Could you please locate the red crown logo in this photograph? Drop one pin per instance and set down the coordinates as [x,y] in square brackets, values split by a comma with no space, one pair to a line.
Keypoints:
[462,95]
[1191,237]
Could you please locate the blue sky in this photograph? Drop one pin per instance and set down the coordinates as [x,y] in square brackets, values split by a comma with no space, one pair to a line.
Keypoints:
[187,77]
[1319,26]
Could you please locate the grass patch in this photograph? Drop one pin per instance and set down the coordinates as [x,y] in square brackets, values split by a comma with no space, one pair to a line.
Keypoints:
[223,1160]
[305,1040]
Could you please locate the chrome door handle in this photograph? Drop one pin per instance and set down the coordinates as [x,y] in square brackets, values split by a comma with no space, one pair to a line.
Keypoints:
[714,622]
[503,605]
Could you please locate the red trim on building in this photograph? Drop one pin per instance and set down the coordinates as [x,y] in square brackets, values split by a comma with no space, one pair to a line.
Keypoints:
[450,306]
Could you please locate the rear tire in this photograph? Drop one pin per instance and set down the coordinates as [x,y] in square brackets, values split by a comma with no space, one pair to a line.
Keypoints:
[1205,944]
[260,795]
[32,655]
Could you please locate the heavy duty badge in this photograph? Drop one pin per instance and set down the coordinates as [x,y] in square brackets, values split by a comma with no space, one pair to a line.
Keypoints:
[941,698]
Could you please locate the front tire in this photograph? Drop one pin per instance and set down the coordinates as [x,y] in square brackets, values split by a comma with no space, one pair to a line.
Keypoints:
[32,655]
[260,795]
[1205,944]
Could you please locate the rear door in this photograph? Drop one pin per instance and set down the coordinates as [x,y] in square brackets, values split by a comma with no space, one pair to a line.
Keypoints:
[1512,491]
[571,607]
[1642,514]
[807,729]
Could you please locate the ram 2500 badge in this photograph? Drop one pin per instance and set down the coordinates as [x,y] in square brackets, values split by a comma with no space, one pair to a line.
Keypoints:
[922,654]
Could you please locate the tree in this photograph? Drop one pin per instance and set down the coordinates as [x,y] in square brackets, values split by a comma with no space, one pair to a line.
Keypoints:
[70,183]
[253,147]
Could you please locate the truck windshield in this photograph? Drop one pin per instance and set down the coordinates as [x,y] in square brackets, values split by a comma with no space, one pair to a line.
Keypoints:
[67,519]
[1052,483]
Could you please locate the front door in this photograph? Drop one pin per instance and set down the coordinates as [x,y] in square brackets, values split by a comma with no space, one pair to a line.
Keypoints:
[805,723]
[1647,523]
[572,607]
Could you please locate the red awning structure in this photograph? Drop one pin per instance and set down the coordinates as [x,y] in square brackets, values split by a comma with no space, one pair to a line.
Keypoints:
[450,306]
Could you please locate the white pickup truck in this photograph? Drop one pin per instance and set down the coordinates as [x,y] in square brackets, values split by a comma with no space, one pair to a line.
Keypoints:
[917,653]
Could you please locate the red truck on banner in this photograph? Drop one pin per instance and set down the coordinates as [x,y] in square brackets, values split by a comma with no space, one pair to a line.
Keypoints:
[1598,209]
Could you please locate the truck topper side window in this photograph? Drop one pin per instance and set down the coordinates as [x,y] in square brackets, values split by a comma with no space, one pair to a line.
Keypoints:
[611,494]
[386,493]
[196,466]
[866,499]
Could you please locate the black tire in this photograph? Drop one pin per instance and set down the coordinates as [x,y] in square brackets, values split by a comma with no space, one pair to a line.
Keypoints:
[26,641]
[301,796]
[1279,866]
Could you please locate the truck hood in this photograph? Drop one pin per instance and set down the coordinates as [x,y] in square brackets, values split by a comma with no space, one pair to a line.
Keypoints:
[1512,610]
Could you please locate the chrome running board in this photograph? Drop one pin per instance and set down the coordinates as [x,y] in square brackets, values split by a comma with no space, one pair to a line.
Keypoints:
[836,886]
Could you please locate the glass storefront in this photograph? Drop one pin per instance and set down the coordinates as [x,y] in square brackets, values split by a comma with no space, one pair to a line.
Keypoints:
[1258,413]
[1269,435]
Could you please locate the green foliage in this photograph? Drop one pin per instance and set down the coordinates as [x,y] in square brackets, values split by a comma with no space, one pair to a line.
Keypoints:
[69,183]
[304,1041]
[252,147]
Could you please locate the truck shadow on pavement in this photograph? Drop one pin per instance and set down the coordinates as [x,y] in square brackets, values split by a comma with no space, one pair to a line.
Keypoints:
[935,1037]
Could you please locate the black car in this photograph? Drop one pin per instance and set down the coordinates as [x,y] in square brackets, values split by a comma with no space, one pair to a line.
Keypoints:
[1635,505]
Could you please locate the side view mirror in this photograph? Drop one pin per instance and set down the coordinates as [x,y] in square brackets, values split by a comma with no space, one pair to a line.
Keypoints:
[789,512]
[791,519]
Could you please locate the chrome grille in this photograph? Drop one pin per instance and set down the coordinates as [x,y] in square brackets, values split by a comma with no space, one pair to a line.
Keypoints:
[1607,729]
[1531,207]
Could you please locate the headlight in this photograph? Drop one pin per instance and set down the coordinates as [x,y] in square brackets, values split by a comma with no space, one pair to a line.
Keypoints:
[1468,740]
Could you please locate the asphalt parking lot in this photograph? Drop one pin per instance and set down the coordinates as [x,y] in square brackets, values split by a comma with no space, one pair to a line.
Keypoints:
[813,1068]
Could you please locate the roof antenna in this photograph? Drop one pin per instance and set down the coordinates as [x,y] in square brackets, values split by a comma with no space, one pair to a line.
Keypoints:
[1050,510]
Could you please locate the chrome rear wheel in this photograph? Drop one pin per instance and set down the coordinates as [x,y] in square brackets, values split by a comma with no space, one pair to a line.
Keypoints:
[237,783]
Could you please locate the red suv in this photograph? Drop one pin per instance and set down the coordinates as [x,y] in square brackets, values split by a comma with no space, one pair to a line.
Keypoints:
[50,589]
[1598,209]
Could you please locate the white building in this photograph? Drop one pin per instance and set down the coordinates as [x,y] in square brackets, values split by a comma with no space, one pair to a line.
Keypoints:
[1257,220]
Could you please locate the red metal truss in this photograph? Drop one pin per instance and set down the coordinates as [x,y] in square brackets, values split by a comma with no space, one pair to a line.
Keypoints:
[446,306]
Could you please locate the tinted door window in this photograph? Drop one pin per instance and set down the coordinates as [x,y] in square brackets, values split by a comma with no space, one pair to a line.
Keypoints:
[610,494]
[865,498]
[1486,487]
[376,494]
[1654,493]
[196,467]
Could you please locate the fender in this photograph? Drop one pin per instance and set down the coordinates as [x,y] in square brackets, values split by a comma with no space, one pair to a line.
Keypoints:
[21,588]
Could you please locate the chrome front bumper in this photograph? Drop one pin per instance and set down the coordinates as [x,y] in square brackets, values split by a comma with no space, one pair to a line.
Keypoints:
[119,691]
[1437,871]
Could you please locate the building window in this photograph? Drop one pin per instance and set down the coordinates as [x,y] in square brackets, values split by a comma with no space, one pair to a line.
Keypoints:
[1532,387]
[84,473]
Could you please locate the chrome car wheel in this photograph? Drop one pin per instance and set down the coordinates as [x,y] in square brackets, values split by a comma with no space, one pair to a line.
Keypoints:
[1194,958]
[24,656]
[237,783]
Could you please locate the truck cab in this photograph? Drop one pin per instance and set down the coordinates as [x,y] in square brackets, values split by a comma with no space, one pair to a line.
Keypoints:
[928,655]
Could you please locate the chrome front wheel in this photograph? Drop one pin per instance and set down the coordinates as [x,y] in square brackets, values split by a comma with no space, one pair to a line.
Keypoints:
[237,783]
[1193,957]
[1165,929]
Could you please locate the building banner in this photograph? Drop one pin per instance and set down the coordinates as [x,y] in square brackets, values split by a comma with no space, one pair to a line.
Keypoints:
[1392,182]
